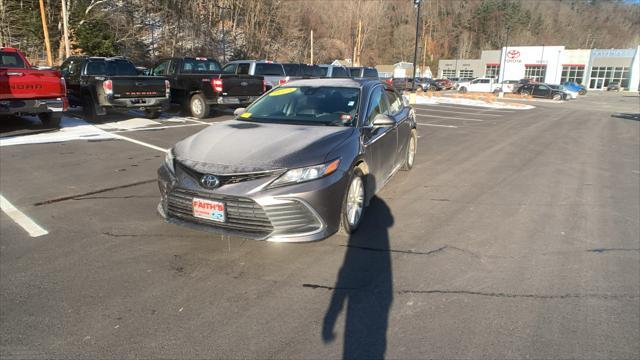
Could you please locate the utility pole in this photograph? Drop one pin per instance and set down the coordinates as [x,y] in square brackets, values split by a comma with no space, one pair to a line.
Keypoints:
[312,47]
[65,26]
[358,44]
[415,50]
[46,33]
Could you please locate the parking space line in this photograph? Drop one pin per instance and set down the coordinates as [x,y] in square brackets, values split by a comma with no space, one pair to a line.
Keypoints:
[438,125]
[21,219]
[466,107]
[466,113]
[157,128]
[448,117]
[125,138]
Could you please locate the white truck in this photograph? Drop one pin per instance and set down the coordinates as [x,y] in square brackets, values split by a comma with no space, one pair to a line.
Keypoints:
[488,85]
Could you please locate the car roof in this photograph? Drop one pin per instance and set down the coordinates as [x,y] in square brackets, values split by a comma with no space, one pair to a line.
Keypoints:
[354,83]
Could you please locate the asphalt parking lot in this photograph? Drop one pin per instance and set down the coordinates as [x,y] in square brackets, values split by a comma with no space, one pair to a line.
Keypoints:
[516,235]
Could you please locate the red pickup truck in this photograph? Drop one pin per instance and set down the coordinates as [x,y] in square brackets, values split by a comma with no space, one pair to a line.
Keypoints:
[25,90]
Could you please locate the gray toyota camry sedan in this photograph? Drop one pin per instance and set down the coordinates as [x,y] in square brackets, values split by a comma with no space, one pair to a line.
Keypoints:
[299,164]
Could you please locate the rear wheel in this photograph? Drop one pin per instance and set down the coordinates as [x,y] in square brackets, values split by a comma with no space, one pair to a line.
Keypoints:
[50,119]
[412,147]
[582,92]
[89,107]
[199,107]
[353,205]
[462,90]
[152,114]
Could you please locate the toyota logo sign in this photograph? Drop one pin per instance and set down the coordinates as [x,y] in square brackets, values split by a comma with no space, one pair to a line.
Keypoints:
[513,54]
[210,181]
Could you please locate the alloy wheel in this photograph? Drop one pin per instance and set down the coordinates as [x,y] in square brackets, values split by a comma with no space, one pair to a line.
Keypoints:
[355,201]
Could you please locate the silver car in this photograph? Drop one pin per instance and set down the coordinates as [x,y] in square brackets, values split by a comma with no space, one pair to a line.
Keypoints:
[273,73]
[299,164]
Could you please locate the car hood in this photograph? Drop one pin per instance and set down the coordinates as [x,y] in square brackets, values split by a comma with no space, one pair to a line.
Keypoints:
[235,146]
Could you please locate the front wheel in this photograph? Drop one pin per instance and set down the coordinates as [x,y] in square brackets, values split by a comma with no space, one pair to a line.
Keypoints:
[462,90]
[557,97]
[353,205]
[412,148]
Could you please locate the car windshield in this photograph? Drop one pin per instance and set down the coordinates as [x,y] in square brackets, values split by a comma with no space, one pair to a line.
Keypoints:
[10,60]
[269,69]
[200,66]
[315,105]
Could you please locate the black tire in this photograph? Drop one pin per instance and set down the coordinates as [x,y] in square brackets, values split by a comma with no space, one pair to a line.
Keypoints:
[89,108]
[198,106]
[346,226]
[557,97]
[462,90]
[151,114]
[412,149]
[582,92]
[496,92]
[49,119]
[419,89]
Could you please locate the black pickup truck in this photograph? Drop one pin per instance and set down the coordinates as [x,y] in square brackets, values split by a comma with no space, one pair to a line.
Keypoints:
[99,83]
[197,83]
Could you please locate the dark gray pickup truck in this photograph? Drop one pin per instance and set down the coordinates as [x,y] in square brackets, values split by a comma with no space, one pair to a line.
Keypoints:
[98,83]
[198,84]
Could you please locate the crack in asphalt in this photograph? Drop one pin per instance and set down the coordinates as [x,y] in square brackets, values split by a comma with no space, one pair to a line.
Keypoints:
[601,250]
[493,294]
[412,252]
[71,197]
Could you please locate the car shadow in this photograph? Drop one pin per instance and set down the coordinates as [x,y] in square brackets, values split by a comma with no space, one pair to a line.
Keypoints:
[365,287]
[627,116]
[19,125]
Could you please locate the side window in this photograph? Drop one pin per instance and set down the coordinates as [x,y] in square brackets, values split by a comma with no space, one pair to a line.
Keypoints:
[542,88]
[339,72]
[377,105]
[395,103]
[371,73]
[243,69]
[484,81]
[64,68]
[229,69]
[74,67]
[160,69]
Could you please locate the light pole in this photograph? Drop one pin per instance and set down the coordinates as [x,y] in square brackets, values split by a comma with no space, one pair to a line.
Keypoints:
[415,50]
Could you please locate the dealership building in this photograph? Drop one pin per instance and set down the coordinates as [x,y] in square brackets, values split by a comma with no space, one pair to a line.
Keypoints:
[594,68]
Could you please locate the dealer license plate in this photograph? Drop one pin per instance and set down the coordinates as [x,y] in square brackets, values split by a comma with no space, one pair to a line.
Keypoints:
[208,209]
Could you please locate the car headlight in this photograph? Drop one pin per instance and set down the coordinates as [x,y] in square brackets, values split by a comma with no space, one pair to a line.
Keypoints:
[169,160]
[299,175]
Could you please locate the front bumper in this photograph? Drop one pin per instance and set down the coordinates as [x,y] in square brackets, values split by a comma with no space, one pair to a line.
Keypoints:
[33,107]
[295,213]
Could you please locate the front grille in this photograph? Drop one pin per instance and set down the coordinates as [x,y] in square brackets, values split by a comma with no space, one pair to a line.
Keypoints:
[224,179]
[242,214]
[291,217]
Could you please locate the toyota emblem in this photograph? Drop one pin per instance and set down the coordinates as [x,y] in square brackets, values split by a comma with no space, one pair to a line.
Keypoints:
[210,181]
[513,54]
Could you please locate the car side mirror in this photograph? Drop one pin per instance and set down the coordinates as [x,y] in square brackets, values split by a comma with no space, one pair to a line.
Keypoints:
[382,120]
[239,111]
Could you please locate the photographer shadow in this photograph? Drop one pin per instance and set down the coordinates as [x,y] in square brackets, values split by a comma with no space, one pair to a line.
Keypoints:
[365,284]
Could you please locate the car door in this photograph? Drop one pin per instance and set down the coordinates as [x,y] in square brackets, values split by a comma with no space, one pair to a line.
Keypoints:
[542,91]
[380,143]
[400,114]
[71,73]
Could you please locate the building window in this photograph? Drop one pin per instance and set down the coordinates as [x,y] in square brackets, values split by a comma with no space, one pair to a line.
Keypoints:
[466,73]
[572,73]
[535,72]
[602,76]
[492,71]
[448,73]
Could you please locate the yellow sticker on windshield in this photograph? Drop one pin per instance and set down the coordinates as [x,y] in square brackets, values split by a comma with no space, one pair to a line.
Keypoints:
[282,91]
[245,115]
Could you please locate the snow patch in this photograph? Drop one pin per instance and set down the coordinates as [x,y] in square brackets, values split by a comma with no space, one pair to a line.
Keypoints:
[70,129]
[427,100]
